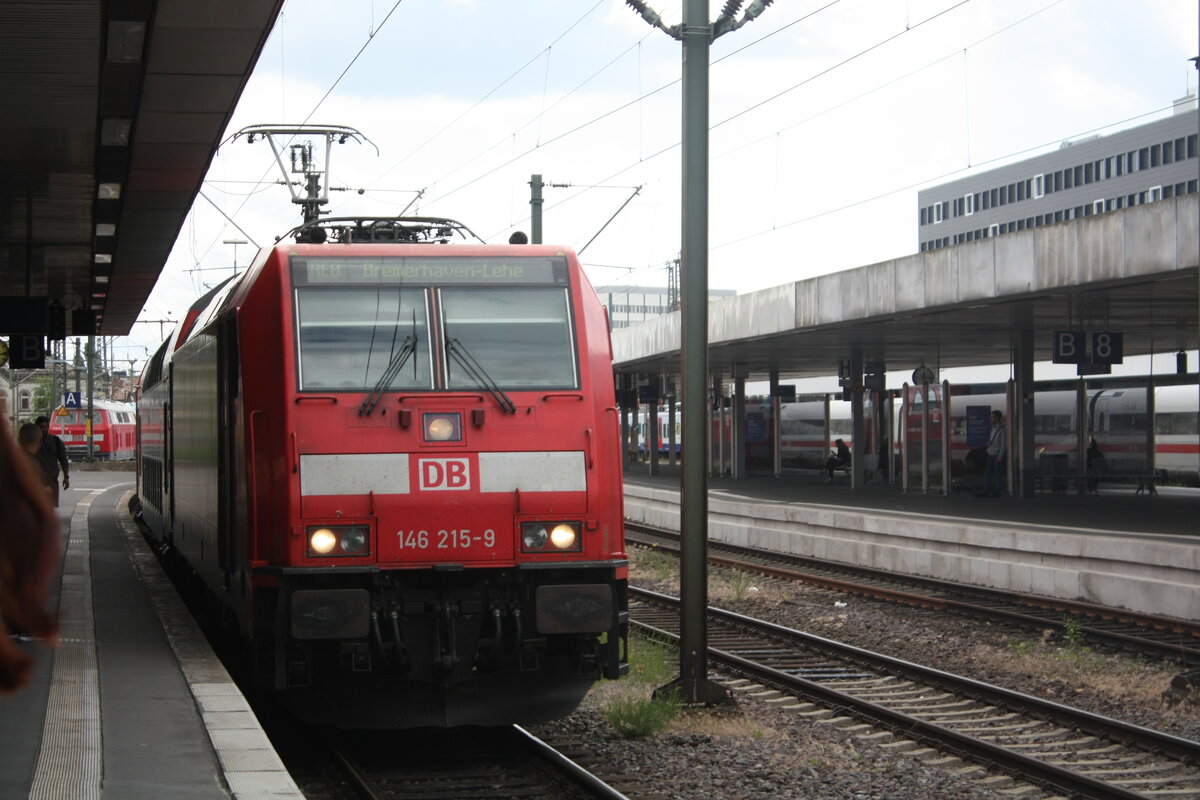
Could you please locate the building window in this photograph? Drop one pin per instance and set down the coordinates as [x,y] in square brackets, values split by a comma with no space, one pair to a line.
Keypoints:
[969,204]
[937,213]
[993,230]
[1039,186]
[1168,152]
[1097,206]
[1154,194]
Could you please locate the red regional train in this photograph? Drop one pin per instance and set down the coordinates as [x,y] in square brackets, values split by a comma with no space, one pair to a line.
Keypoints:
[114,431]
[394,462]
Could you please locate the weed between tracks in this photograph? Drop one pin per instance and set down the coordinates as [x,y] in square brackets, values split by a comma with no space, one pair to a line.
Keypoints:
[632,709]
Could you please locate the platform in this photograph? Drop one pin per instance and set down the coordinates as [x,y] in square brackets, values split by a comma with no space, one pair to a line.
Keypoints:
[132,704]
[1115,548]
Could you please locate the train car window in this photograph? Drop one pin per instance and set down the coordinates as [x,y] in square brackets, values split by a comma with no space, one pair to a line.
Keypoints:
[348,337]
[1127,423]
[76,417]
[521,337]
[1053,423]
[1175,423]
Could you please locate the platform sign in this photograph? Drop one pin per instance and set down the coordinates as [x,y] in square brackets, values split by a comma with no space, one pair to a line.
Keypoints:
[1108,347]
[979,425]
[647,394]
[1069,347]
[72,400]
[756,427]
[27,352]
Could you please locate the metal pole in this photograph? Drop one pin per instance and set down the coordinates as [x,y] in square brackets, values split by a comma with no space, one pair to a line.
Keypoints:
[694,685]
[777,416]
[535,209]
[924,437]
[945,434]
[91,388]
[653,431]
[1082,436]
[905,407]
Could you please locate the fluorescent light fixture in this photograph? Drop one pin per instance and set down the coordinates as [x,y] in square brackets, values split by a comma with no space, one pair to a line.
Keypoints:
[115,132]
[109,191]
[106,229]
[126,38]
[103,258]
[100,278]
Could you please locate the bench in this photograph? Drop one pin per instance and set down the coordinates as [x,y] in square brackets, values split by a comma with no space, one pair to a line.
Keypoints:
[870,468]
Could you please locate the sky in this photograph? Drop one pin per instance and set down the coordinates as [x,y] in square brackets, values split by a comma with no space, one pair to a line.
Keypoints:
[826,119]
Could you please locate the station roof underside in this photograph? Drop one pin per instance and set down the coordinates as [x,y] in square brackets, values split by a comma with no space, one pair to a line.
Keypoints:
[1132,271]
[132,93]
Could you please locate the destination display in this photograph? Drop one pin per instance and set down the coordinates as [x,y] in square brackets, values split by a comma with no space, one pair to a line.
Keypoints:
[428,271]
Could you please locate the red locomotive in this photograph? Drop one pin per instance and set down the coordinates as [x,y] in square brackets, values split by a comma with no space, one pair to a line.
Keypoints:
[114,431]
[395,462]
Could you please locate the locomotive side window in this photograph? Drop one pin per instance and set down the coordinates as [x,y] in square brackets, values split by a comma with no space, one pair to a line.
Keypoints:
[349,337]
[521,337]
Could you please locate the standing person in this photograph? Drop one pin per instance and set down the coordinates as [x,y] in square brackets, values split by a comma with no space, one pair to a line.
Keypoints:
[997,449]
[1095,464]
[53,455]
[28,551]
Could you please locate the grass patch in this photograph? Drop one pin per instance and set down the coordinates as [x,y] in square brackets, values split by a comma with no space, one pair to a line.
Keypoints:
[635,717]
[657,565]
[633,710]
[740,583]
[651,662]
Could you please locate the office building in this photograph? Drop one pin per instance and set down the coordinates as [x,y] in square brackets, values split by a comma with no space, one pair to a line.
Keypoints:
[1087,176]
[628,305]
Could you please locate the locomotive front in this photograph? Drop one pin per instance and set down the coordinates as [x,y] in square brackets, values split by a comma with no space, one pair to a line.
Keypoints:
[445,437]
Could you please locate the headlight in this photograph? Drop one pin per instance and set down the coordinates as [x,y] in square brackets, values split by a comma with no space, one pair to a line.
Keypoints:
[551,536]
[563,536]
[442,427]
[339,540]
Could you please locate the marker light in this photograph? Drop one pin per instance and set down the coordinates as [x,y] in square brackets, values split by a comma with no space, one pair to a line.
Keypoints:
[339,540]
[550,536]
[443,427]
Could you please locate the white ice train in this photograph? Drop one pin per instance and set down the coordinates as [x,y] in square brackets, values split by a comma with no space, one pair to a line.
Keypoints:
[1116,418]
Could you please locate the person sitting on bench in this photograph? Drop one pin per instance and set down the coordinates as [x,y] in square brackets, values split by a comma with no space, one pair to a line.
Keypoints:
[839,460]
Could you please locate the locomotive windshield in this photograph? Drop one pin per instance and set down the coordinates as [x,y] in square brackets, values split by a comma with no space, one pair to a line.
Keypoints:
[521,337]
[348,337]
[512,316]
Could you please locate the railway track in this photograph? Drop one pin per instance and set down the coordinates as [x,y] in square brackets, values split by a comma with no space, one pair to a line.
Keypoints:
[1063,750]
[1160,637]
[463,764]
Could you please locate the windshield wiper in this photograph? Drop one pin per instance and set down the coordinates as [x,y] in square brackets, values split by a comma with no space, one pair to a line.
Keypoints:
[459,352]
[399,358]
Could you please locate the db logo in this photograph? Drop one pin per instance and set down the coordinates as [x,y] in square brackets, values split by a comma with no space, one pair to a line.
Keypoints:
[444,474]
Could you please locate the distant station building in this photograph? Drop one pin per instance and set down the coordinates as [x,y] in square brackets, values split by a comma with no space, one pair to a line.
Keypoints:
[628,305]
[1083,177]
